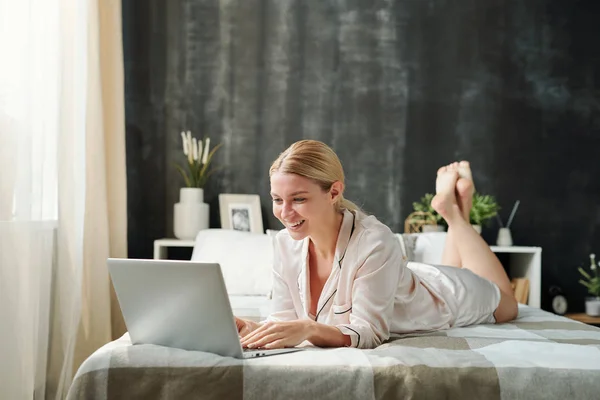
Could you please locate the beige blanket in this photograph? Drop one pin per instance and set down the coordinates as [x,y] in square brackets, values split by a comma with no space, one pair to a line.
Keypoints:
[538,356]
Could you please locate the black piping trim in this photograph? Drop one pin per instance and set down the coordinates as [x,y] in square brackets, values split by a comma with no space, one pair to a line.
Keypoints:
[343,312]
[324,304]
[358,341]
[340,265]
[351,232]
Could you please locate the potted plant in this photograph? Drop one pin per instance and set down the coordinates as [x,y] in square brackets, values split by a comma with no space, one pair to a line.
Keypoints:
[191,213]
[484,208]
[592,283]
[424,214]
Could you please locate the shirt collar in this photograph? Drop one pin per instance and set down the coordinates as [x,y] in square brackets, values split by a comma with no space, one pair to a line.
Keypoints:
[345,234]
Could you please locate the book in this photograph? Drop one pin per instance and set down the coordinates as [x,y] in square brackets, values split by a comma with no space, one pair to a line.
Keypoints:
[521,289]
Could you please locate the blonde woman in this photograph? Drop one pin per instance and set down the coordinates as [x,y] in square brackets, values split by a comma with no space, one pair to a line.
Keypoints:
[340,278]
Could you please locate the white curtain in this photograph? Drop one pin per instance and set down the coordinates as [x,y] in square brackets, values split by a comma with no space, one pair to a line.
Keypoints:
[62,187]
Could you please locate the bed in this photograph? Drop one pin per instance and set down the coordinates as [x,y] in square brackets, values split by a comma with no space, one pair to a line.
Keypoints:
[537,356]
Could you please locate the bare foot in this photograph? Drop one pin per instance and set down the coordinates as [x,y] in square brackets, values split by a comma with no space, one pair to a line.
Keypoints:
[447,168]
[465,189]
[444,202]
[464,186]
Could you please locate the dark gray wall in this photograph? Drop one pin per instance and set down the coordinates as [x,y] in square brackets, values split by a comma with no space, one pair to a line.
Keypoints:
[397,88]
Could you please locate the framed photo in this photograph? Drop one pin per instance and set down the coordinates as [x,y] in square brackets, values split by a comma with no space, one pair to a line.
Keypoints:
[241,212]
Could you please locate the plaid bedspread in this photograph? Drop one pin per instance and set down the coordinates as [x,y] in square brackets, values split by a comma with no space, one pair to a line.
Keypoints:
[537,356]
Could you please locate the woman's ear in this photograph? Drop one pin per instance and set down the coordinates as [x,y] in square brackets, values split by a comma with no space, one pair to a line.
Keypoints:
[337,188]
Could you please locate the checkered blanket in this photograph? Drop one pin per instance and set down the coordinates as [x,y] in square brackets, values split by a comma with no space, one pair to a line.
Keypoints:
[537,356]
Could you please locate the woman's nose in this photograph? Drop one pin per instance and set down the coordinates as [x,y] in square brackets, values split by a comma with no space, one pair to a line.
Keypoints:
[286,210]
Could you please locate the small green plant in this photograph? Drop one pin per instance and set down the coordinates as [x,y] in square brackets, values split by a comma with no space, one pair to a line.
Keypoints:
[424,206]
[592,279]
[484,208]
[198,160]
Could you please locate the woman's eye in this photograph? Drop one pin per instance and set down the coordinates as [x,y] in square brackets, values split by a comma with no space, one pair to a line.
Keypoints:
[277,201]
[299,199]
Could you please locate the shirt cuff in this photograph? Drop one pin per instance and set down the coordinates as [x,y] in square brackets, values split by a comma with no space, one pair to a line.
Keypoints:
[355,337]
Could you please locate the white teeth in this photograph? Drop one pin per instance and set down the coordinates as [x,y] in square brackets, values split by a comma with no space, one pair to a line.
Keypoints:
[296,224]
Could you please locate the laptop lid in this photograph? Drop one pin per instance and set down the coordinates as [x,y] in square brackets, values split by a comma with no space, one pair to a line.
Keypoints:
[179,304]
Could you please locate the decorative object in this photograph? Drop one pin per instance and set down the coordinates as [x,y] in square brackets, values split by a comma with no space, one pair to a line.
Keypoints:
[512,213]
[191,214]
[592,283]
[424,218]
[421,221]
[592,306]
[198,160]
[520,288]
[433,228]
[484,208]
[559,301]
[241,212]
[504,235]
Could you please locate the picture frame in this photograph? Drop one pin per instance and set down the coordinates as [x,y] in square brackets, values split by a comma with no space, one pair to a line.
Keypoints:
[241,212]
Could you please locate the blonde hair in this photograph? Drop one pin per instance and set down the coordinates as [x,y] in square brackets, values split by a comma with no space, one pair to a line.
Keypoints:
[316,161]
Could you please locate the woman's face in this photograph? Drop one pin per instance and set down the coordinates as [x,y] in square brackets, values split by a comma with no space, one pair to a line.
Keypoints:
[300,204]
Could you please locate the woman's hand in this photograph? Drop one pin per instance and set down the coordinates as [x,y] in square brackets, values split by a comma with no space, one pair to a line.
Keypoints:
[244,326]
[277,335]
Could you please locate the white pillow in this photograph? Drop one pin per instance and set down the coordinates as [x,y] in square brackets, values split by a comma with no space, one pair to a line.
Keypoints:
[407,243]
[246,259]
[429,247]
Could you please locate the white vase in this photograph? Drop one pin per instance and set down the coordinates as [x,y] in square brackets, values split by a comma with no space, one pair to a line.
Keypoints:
[504,237]
[191,213]
[477,228]
[433,228]
[592,306]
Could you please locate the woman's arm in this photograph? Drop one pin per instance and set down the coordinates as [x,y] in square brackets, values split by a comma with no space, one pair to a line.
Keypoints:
[322,335]
[275,335]
[374,289]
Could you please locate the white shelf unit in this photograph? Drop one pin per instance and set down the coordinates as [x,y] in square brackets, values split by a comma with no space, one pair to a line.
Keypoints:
[525,262]
[161,245]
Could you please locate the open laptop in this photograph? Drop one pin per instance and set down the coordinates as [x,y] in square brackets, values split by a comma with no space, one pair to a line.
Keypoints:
[179,304]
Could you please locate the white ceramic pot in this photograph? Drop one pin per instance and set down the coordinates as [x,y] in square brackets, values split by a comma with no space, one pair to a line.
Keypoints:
[190,215]
[477,228]
[433,228]
[504,237]
[592,306]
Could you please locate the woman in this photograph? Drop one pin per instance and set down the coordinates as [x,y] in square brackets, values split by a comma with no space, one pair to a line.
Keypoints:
[340,278]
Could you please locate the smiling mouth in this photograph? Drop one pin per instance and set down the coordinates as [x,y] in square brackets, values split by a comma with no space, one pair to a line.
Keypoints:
[296,225]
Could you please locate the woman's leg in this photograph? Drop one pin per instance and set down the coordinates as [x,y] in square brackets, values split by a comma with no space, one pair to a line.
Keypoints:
[450,255]
[473,251]
[464,197]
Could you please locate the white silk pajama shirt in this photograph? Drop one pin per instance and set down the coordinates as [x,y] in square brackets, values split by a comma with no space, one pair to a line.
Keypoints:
[373,291]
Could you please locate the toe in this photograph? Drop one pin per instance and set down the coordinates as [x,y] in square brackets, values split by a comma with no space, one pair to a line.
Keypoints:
[464,170]
[464,187]
[442,170]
